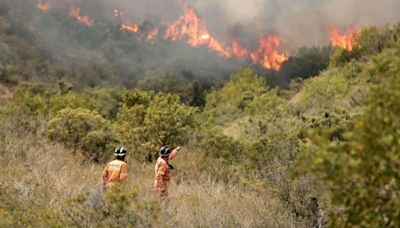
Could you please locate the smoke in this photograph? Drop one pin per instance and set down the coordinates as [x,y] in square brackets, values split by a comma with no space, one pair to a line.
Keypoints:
[121,54]
[297,22]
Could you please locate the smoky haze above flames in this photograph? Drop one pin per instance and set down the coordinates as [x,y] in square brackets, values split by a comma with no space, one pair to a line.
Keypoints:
[300,22]
[297,22]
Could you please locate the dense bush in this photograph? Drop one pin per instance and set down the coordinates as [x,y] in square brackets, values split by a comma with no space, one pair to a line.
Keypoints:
[361,169]
[324,92]
[115,209]
[83,130]
[228,102]
[147,121]
[370,41]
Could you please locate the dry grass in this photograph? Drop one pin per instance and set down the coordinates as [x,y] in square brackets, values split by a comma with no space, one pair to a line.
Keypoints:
[47,175]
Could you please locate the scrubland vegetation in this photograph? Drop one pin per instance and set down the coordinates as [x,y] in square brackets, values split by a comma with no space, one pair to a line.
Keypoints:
[322,152]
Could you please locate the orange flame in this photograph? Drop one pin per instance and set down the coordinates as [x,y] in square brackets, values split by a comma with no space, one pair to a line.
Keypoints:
[346,41]
[151,35]
[189,26]
[43,6]
[267,54]
[239,51]
[76,13]
[134,28]
[219,48]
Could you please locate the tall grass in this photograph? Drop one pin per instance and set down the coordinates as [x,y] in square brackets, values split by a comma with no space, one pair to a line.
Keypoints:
[44,184]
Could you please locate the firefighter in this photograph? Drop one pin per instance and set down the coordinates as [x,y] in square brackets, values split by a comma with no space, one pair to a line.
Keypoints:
[162,170]
[116,171]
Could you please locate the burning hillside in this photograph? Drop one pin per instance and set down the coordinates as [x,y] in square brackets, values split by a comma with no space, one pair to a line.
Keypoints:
[75,12]
[194,27]
[345,40]
[130,27]
[193,30]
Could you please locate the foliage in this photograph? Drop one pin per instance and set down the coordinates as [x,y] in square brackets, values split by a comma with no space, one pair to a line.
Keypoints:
[105,101]
[374,40]
[325,92]
[305,63]
[69,100]
[362,168]
[268,103]
[342,56]
[370,41]
[84,130]
[219,146]
[111,210]
[234,97]
[147,121]
[117,208]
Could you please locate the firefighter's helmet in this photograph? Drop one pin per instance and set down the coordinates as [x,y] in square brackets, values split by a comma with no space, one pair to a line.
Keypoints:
[165,151]
[120,152]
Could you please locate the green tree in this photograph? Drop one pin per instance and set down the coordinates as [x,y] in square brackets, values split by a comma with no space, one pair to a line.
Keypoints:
[153,121]
[197,95]
[229,101]
[362,169]
[305,63]
[84,130]
[71,100]
[324,92]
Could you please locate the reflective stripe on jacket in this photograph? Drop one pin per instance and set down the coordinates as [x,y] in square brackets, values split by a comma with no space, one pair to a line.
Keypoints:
[115,171]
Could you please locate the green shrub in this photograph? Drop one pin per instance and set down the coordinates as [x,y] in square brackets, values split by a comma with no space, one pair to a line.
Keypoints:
[342,56]
[324,92]
[97,144]
[29,103]
[69,100]
[361,170]
[269,104]
[371,41]
[118,208]
[219,146]
[105,101]
[115,209]
[82,129]
[226,103]
[145,123]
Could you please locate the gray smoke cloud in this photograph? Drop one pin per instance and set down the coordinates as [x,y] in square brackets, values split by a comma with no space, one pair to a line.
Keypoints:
[298,22]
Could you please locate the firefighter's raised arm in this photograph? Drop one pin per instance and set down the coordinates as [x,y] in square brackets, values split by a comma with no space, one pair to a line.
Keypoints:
[174,152]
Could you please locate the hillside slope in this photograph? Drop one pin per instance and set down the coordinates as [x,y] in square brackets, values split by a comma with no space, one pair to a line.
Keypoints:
[322,152]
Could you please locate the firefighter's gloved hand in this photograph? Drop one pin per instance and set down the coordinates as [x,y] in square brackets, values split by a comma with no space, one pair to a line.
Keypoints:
[178,148]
